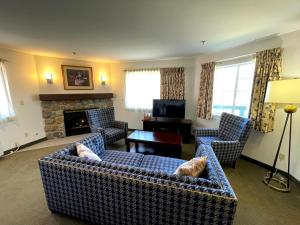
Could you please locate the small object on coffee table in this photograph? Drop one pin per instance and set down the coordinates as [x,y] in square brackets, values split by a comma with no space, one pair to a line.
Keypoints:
[155,139]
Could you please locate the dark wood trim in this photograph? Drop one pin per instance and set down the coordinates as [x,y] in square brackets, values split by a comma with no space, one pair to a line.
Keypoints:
[25,145]
[268,167]
[60,97]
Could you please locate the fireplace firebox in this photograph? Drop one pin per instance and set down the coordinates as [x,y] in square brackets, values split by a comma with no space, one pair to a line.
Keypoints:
[76,122]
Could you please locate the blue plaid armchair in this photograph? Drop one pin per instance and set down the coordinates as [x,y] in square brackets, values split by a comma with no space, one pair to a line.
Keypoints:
[103,121]
[228,140]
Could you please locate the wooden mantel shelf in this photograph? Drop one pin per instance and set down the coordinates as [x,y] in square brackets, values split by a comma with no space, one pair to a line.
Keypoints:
[61,97]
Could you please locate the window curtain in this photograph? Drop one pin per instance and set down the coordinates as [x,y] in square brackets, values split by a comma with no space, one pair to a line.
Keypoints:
[6,108]
[142,86]
[172,83]
[268,67]
[206,90]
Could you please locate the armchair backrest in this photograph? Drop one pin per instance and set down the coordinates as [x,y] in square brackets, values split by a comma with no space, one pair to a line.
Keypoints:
[101,117]
[234,128]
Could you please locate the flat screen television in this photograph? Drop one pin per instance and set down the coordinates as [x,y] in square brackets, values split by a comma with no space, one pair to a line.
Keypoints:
[168,108]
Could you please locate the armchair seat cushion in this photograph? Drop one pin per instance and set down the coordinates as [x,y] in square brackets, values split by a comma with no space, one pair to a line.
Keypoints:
[161,164]
[124,158]
[206,140]
[114,134]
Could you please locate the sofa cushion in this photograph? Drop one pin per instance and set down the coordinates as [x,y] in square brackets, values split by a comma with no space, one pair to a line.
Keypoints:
[124,158]
[206,140]
[85,152]
[161,164]
[195,167]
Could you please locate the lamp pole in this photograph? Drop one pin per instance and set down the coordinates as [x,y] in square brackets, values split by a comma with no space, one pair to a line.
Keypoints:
[290,109]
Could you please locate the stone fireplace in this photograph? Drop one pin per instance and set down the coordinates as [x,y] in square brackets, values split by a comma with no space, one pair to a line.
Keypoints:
[53,110]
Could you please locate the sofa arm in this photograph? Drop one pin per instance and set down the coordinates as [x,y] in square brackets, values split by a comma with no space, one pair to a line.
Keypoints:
[226,151]
[121,125]
[206,132]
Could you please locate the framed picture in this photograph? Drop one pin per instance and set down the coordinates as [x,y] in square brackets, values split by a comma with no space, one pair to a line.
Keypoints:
[77,77]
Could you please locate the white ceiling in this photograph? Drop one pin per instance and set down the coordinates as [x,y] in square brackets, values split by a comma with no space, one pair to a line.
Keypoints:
[139,29]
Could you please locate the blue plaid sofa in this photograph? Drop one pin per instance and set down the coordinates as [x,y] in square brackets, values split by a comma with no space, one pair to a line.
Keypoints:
[134,189]
[228,140]
[103,121]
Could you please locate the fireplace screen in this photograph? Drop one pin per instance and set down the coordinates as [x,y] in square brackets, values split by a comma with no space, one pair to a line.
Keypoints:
[76,122]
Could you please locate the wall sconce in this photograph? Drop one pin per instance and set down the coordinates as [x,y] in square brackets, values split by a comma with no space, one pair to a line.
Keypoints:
[48,78]
[103,80]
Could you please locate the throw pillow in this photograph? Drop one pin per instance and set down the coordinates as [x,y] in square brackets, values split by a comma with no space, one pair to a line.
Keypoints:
[193,168]
[85,152]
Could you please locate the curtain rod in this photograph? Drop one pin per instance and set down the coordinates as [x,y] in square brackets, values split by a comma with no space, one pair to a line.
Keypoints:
[237,57]
[155,68]
[142,69]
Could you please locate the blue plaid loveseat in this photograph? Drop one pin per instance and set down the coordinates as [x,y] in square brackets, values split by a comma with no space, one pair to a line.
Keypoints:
[228,140]
[134,189]
[103,121]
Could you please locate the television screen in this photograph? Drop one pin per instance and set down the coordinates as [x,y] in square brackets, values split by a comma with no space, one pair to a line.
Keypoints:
[168,108]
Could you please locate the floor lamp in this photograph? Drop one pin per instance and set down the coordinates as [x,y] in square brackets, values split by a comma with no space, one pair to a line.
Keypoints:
[288,92]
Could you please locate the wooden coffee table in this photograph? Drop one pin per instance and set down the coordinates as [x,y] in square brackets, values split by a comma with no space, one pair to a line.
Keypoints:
[170,142]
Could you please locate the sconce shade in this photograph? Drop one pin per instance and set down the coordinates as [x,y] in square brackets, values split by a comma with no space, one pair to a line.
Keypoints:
[48,77]
[103,80]
[283,91]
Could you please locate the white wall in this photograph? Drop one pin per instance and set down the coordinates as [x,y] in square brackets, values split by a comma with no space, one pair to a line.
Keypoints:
[53,65]
[118,85]
[24,87]
[262,147]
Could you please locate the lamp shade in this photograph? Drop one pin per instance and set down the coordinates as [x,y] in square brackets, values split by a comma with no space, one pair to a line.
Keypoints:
[283,91]
[48,76]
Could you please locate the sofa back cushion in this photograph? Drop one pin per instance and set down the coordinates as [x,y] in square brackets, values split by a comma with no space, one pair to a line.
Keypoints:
[135,171]
[101,117]
[233,127]
[94,142]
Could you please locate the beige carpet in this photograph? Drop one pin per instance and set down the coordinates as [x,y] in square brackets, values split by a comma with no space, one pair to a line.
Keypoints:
[22,200]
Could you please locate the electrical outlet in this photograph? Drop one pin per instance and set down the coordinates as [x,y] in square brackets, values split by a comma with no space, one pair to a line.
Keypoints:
[281,156]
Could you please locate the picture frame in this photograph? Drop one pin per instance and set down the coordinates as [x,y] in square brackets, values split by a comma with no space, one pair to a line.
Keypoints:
[77,77]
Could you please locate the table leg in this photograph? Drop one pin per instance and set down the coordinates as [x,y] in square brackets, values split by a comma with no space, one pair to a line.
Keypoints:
[136,147]
[179,152]
[127,145]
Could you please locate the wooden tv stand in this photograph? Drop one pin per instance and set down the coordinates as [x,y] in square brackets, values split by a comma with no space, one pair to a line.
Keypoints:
[169,125]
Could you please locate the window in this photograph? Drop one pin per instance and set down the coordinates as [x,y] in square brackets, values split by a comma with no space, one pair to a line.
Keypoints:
[142,86]
[6,108]
[232,88]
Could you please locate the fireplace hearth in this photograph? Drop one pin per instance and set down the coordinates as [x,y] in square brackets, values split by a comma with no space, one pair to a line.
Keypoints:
[76,122]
